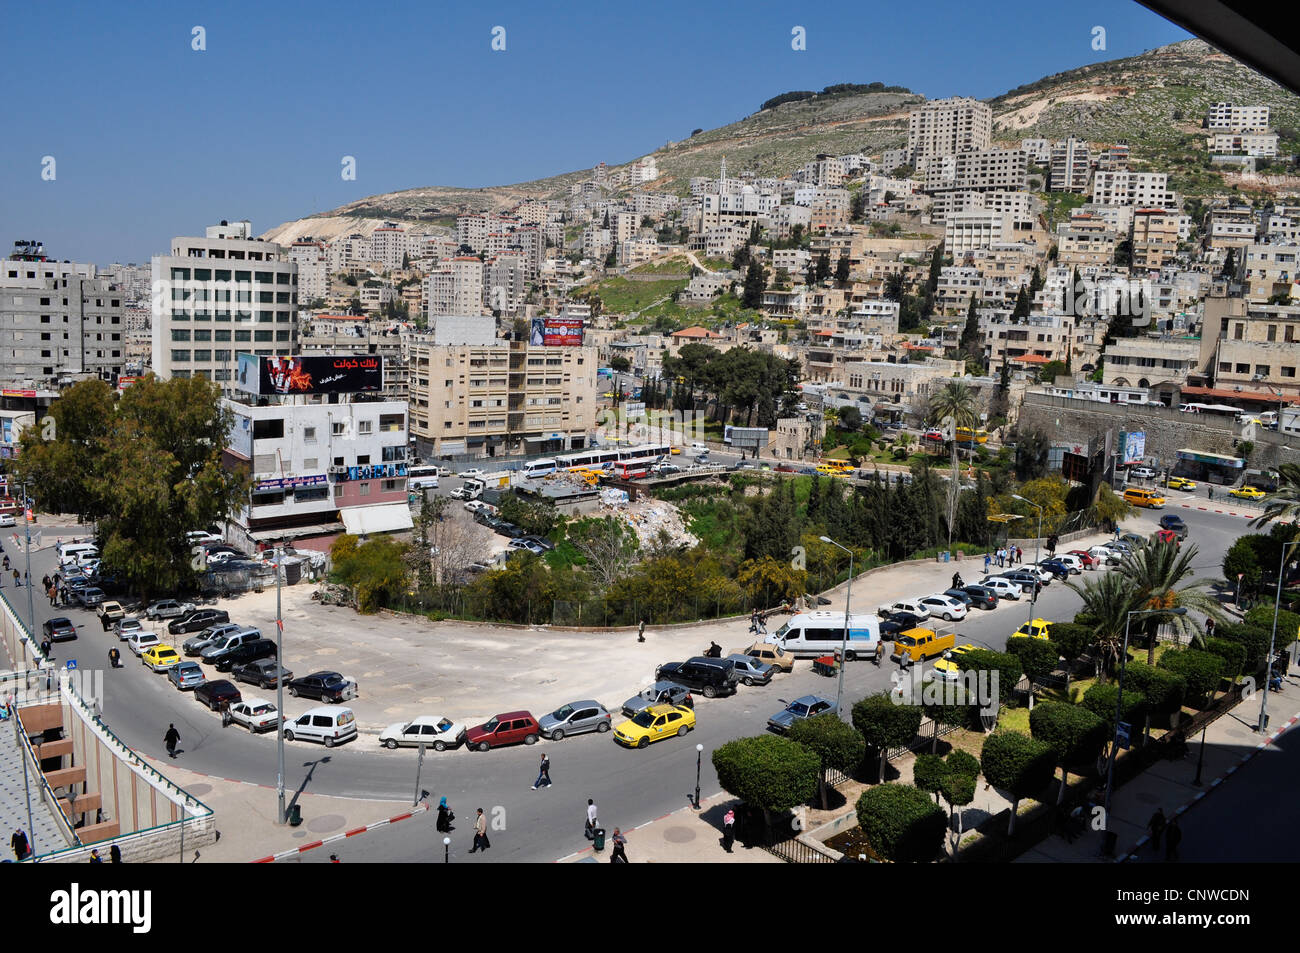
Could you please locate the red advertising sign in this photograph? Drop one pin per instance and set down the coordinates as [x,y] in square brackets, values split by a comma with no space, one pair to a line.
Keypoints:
[564,332]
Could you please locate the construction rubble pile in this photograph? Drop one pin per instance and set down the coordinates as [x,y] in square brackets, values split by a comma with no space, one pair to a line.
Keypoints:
[647,518]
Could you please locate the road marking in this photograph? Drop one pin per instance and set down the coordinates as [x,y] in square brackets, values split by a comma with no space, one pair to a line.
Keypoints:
[423,808]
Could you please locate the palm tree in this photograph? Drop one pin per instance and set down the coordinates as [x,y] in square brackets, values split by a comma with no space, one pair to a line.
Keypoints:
[1108,599]
[1284,503]
[1155,571]
[953,406]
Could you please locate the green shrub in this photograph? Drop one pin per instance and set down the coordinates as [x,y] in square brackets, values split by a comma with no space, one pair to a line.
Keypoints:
[1232,653]
[1017,764]
[885,724]
[1076,735]
[928,772]
[1100,699]
[963,762]
[1038,657]
[1163,690]
[1201,670]
[768,771]
[1007,666]
[1071,638]
[1253,638]
[901,823]
[1288,623]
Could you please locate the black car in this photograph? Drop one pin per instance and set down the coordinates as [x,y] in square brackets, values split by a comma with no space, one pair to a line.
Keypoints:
[711,677]
[898,622]
[59,629]
[510,529]
[261,672]
[197,621]
[248,652]
[329,687]
[218,695]
[982,597]
[1025,579]
[1174,523]
[961,595]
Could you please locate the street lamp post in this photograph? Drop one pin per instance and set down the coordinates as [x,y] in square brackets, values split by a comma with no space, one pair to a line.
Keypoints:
[844,642]
[1033,594]
[699,757]
[446,850]
[27,528]
[1119,696]
[1272,639]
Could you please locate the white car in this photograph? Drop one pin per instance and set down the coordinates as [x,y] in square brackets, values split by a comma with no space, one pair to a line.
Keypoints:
[472,474]
[433,730]
[201,538]
[7,519]
[141,641]
[1004,588]
[906,605]
[1105,555]
[1070,562]
[945,607]
[255,714]
[1142,473]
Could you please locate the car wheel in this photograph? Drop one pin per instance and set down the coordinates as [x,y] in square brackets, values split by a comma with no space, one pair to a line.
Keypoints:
[643,742]
[329,742]
[530,739]
[557,734]
[603,727]
[391,744]
[293,691]
[681,732]
[947,617]
[710,691]
[749,681]
[288,736]
[484,746]
[440,746]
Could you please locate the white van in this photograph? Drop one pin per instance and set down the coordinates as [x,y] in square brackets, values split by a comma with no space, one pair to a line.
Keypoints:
[70,554]
[821,633]
[698,448]
[328,724]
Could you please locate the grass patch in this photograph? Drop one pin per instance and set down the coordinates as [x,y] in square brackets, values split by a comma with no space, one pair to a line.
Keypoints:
[620,295]
[1014,719]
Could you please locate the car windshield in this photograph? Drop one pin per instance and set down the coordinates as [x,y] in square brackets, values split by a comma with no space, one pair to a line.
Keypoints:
[492,724]
[907,640]
[797,708]
[644,718]
[562,713]
[221,642]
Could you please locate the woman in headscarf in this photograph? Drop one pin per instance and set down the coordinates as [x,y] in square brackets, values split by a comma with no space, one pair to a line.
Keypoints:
[444,816]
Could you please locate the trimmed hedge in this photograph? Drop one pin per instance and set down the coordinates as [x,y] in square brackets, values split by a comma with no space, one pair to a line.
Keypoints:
[1202,671]
[1253,638]
[1017,764]
[1164,690]
[885,724]
[1006,665]
[1071,638]
[1232,653]
[1075,734]
[768,771]
[1100,699]
[1288,623]
[901,823]
[1038,657]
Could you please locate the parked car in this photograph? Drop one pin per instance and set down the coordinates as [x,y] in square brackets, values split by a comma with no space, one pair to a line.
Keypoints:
[167,609]
[1104,555]
[255,714]
[508,728]
[186,675]
[1058,569]
[660,693]
[1247,493]
[912,606]
[90,597]
[7,519]
[751,671]
[160,657]
[1028,581]
[982,597]
[1131,540]
[1174,523]
[575,718]
[898,622]
[263,673]
[1086,559]
[325,686]
[1142,473]
[808,706]
[196,645]
[655,724]
[141,641]
[59,629]
[1035,629]
[509,529]
[111,610]
[473,473]
[524,545]
[128,627]
[945,607]
[221,647]
[433,730]
[197,620]
[217,695]
[1004,588]
[946,669]
[328,724]
[710,677]
[770,654]
[1070,561]
[961,595]
[248,652]
[541,541]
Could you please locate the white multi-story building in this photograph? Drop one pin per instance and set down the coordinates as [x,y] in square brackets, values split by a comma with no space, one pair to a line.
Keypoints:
[1143,189]
[966,231]
[642,171]
[455,286]
[1070,165]
[946,127]
[1230,118]
[1261,145]
[1039,150]
[982,171]
[218,296]
[313,264]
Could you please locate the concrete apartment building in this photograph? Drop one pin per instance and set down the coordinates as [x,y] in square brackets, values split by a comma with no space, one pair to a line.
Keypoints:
[1071,163]
[1230,118]
[1261,145]
[1040,337]
[1249,345]
[492,400]
[1145,189]
[1085,240]
[1155,238]
[1150,361]
[1233,227]
[313,263]
[983,171]
[218,296]
[58,321]
[966,232]
[948,127]
[1268,270]
[455,286]
[1039,150]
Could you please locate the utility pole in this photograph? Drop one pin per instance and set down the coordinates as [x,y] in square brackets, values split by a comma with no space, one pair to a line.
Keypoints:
[279,686]
[27,528]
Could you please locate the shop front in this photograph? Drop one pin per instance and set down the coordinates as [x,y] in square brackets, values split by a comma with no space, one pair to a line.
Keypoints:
[1206,467]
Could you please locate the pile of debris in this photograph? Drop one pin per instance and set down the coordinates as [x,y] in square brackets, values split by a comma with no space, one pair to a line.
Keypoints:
[649,517]
[330,594]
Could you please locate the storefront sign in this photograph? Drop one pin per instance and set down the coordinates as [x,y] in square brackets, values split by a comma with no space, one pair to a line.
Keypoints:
[287,483]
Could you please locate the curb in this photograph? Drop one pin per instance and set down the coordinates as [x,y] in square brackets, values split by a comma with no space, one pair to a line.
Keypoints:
[1207,509]
[1185,807]
[663,817]
[293,852]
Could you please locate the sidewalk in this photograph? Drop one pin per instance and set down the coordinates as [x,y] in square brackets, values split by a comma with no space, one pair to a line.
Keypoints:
[1229,742]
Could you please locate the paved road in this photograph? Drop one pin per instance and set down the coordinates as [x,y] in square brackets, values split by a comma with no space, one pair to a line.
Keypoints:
[631,787]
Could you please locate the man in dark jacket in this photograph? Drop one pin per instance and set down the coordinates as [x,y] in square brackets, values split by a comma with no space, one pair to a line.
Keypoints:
[171,739]
[19,843]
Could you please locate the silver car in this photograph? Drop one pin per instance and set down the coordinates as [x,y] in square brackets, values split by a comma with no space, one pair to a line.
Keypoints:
[196,644]
[128,627]
[660,693]
[751,671]
[809,706]
[574,719]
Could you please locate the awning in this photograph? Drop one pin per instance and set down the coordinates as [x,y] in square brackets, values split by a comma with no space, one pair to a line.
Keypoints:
[1217,459]
[380,518]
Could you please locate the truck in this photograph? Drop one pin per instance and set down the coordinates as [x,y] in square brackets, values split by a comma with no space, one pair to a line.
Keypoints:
[917,645]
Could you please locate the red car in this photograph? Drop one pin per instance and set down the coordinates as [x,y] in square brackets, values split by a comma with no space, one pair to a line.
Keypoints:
[508,728]
[1088,561]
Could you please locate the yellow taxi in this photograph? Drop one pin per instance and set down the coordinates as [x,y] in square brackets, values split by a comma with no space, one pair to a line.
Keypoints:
[160,657]
[1181,483]
[675,450]
[654,724]
[947,669]
[1247,493]
[1037,629]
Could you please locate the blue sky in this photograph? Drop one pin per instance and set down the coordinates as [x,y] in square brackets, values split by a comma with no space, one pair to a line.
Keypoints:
[152,139]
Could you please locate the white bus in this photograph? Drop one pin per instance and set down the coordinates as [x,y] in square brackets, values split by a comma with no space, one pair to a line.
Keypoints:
[421,478]
[645,453]
[592,457]
[538,468]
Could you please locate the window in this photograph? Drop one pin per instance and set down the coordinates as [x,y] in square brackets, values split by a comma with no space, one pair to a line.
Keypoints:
[1288,372]
[364,489]
[268,429]
[309,434]
[338,428]
[363,427]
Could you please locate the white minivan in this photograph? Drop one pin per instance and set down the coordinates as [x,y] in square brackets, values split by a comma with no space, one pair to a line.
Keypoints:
[328,724]
[820,633]
[72,553]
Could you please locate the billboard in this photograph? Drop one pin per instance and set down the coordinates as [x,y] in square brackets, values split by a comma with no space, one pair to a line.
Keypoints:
[291,483]
[339,374]
[1132,447]
[745,436]
[566,332]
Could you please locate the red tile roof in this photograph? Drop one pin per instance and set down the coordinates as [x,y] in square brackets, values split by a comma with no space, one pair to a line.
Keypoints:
[1032,359]
[695,332]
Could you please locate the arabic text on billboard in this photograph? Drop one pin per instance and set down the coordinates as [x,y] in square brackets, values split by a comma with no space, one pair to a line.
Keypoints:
[565,332]
[342,374]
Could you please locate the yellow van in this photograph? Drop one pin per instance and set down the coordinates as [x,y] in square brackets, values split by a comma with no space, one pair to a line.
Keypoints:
[920,644]
[826,469]
[1140,497]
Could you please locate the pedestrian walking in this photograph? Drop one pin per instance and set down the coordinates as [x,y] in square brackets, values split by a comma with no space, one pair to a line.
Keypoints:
[988,561]
[115,854]
[5,563]
[18,578]
[1209,627]
[1173,837]
[1209,491]
[592,821]
[543,774]
[19,843]
[619,854]
[480,833]
[45,647]
[753,620]
[999,554]
[728,829]
[105,621]
[95,858]
[640,631]
[956,580]
[880,652]
[171,740]
[445,817]
[52,593]
[1156,827]
[1020,555]
[45,582]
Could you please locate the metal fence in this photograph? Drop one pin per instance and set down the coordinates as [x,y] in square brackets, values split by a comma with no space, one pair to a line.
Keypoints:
[795,851]
[926,734]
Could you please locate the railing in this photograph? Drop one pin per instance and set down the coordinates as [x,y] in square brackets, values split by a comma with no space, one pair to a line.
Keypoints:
[795,851]
[925,734]
[32,763]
